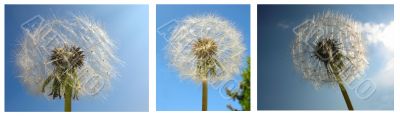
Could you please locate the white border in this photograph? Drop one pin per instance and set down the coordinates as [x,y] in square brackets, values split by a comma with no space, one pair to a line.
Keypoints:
[2,85]
[253,48]
[152,57]
[253,58]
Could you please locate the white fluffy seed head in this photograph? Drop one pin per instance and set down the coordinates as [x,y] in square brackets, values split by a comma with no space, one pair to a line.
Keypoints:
[339,28]
[33,57]
[229,42]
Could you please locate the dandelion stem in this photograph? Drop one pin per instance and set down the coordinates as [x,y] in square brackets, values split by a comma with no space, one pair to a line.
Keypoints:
[342,88]
[205,95]
[68,96]
[344,92]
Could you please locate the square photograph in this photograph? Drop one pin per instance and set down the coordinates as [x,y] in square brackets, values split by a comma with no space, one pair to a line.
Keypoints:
[325,57]
[203,58]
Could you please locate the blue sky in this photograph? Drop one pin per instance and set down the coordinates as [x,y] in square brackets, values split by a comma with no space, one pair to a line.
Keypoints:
[126,24]
[281,87]
[176,94]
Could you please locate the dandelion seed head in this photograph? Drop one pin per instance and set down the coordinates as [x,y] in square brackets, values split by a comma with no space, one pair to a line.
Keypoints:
[76,42]
[205,37]
[329,40]
[67,56]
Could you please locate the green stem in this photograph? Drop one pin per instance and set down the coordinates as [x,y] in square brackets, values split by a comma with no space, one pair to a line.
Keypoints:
[67,98]
[69,81]
[343,90]
[205,95]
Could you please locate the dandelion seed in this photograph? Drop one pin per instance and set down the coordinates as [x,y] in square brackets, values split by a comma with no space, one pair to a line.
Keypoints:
[56,58]
[206,49]
[328,49]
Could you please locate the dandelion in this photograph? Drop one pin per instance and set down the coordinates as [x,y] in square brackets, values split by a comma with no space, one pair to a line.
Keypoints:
[328,49]
[206,49]
[67,58]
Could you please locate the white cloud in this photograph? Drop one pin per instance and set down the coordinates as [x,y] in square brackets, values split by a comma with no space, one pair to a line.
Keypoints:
[283,25]
[380,37]
[379,34]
